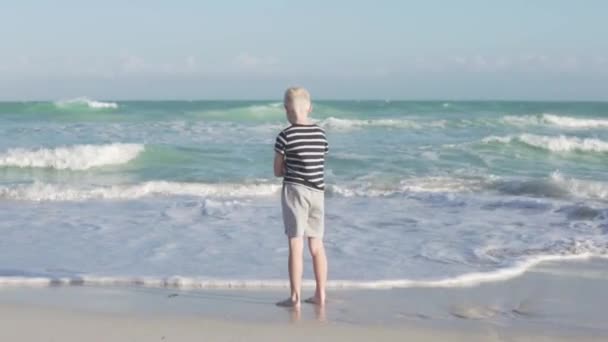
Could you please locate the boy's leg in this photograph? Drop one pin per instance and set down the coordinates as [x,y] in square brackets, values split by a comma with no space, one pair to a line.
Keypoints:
[295,266]
[319,262]
[296,247]
[294,205]
[315,232]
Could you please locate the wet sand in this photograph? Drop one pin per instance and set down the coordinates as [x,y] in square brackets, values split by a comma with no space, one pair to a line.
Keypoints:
[557,301]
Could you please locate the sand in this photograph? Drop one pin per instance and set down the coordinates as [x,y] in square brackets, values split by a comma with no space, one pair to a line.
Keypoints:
[553,302]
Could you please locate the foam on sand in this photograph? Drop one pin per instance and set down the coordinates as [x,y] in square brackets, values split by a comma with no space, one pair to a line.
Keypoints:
[77,157]
[464,280]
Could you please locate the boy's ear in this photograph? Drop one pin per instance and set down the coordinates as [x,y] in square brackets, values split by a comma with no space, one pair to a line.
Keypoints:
[310,109]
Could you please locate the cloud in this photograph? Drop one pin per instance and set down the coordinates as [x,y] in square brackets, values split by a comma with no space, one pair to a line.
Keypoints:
[129,65]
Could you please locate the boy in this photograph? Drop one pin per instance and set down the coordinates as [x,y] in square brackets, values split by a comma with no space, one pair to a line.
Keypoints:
[299,158]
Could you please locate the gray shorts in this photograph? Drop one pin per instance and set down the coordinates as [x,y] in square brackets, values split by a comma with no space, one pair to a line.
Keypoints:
[303,211]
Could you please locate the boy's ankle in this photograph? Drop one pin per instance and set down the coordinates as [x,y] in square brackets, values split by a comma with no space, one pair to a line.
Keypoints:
[295,298]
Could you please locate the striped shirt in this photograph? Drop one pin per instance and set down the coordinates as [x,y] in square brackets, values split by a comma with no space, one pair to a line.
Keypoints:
[304,148]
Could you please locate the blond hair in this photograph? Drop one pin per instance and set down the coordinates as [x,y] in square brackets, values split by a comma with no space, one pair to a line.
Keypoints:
[297,103]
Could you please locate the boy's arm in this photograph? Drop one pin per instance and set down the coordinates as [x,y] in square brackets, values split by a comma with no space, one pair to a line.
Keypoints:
[279,164]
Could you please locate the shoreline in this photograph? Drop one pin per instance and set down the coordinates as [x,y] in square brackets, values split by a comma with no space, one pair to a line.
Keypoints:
[554,301]
[179,283]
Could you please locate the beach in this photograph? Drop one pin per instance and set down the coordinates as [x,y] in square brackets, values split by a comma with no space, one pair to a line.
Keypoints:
[561,301]
[444,220]
[443,166]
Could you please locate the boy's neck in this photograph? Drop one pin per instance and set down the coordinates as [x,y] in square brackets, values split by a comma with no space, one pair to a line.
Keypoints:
[302,122]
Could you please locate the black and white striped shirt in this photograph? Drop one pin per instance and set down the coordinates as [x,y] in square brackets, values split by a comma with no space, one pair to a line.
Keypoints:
[304,148]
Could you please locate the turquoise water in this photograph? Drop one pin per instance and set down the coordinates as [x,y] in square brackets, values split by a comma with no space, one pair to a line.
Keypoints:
[417,191]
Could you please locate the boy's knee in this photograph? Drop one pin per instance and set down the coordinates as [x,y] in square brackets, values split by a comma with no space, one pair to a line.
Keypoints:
[296,243]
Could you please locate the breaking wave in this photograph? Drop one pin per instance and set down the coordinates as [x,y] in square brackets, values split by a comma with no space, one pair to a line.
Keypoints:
[556,120]
[77,157]
[349,124]
[555,144]
[581,188]
[58,192]
[418,184]
[85,102]
[555,186]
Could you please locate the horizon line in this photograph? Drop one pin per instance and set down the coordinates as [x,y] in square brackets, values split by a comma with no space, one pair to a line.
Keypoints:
[387,100]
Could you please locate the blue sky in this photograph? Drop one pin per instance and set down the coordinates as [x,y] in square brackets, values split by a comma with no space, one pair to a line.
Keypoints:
[466,49]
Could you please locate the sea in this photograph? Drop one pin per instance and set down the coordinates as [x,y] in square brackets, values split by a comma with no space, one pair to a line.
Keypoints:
[182,193]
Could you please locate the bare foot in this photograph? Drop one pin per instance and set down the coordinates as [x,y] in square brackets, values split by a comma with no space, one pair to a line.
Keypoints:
[289,303]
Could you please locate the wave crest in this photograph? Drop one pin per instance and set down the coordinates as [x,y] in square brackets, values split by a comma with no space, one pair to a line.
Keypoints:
[556,120]
[413,185]
[581,188]
[556,186]
[349,124]
[555,144]
[78,157]
[571,122]
[58,192]
[85,102]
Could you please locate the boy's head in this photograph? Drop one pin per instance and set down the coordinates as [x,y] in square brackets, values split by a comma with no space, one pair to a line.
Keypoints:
[297,104]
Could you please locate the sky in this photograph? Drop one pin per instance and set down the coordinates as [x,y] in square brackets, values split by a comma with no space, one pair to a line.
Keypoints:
[381,49]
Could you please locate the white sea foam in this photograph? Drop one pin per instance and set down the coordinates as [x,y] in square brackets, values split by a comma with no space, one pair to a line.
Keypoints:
[556,144]
[84,101]
[561,121]
[61,192]
[349,124]
[273,105]
[582,188]
[443,184]
[78,157]
[464,280]
[416,184]
[58,192]
[524,120]
[571,122]
[39,191]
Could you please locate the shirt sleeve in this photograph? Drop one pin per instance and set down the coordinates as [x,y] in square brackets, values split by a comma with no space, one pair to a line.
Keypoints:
[279,145]
[326,147]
